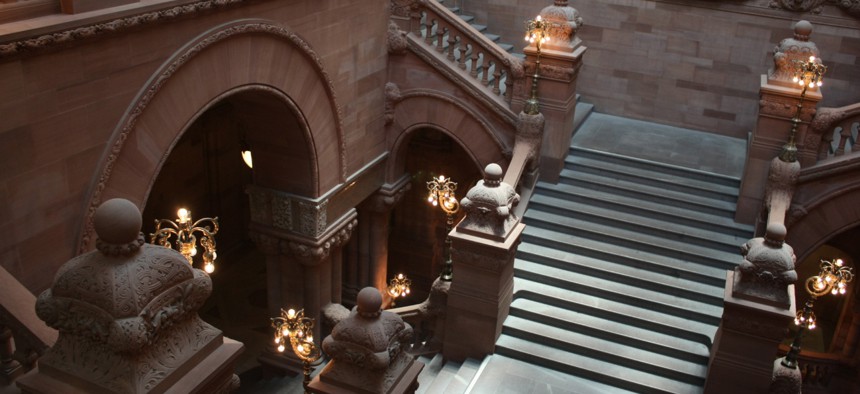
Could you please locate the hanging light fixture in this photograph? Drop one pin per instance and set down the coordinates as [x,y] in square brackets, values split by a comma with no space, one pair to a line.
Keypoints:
[398,287]
[294,328]
[184,228]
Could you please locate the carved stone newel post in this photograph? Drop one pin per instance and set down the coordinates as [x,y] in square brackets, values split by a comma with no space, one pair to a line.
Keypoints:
[560,61]
[127,318]
[368,352]
[484,245]
[759,305]
[779,96]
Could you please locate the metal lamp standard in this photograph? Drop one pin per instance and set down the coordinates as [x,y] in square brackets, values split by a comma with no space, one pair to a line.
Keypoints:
[536,33]
[296,328]
[807,74]
[442,195]
[832,278]
[184,228]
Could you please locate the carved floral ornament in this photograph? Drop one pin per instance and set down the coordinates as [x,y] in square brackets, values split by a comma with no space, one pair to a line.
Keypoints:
[815,6]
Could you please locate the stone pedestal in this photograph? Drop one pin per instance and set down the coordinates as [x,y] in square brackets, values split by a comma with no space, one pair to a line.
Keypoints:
[746,342]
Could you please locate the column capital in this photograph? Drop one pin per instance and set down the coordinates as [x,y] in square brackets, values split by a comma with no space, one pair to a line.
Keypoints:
[388,195]
[288,212]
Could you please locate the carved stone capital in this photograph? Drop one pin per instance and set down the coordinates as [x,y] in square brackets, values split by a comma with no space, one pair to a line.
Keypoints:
[314,251]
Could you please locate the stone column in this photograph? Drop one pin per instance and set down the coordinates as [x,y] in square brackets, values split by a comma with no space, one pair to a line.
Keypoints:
[560,61]
[378,211]
[484,244]
[779,97]
[759,305]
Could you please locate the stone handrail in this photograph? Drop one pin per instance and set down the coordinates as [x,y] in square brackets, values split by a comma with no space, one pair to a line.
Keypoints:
[839,125]
[422,328]
[18,312]
[467,49]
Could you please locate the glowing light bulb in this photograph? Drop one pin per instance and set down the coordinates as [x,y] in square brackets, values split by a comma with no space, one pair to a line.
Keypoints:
[812,58]
[839,262]
[281,348]
[538,18]
[291,313]
[209,268]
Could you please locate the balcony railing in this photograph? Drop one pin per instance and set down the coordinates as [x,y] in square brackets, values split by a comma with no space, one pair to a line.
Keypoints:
[836,129]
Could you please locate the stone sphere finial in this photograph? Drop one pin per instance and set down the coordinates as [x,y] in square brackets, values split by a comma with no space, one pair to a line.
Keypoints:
[802,30]
[775,234]
[117,223]
[369,302]
[493,175]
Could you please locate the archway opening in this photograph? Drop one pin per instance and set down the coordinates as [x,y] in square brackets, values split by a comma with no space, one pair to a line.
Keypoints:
[206,174]
[416,242]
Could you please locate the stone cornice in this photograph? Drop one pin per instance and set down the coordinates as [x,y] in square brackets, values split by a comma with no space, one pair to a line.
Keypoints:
[38,39]
[819,12]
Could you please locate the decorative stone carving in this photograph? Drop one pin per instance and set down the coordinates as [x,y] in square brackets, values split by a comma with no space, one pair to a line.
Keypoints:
[785,107]
[388,196]
[392,97]
[126,313]
[311,253]
[790,49]
[566,21]
[785,380]
[313,218]
[489,205]
[767,268]
[368,349]
[781,180]
[403,8]
[396,39]
[798,5]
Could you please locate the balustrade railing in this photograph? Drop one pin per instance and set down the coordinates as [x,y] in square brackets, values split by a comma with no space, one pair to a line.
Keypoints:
[819,369]
[467,49]
[837,130]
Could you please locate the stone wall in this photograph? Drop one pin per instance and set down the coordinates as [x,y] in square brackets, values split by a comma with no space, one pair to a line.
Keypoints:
[60,104]
[693,64]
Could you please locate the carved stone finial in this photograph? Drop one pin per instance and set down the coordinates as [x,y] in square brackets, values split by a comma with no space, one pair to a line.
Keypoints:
[489,205]
[767,268]
[127,314]
[117,224]
[564,22]
[790,49]
[368,349]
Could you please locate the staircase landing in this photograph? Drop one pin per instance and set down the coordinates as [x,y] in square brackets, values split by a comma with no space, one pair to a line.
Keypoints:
[663,144]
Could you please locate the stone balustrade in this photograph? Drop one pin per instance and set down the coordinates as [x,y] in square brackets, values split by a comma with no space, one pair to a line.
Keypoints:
[834,131]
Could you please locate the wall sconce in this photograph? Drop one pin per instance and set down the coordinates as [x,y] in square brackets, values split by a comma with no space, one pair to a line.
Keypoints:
[184,228]
[399,286]
[442,195]
[536,33]
[296,328]
[807,74]
[246,153]
[832,278]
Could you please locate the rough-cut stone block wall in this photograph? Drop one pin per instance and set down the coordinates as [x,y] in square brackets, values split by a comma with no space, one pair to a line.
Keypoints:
[690,63]
[59,107]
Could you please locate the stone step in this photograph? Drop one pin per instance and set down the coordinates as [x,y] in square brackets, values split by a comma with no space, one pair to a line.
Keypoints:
[655,167]
[582,323]
[713,276]
[601,163]
[614,311]
[590,368]
[432,367]
[442,379]
[668,198]
[619,292]
[618,353]
[621,273]
[641,224]
[644,242]
[461,380]
[502,374]
[645,208]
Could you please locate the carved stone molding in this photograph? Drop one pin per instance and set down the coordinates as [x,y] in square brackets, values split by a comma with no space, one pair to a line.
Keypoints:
[288,212]
[392,97]
[403,8]
[167,72]
[312,221]
[111,26]
[397,43]
[815,6]
[312,252]
[785,107]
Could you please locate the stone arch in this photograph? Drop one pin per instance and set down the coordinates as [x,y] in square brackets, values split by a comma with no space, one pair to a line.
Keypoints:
[471,130]
[823,218]
[201,73]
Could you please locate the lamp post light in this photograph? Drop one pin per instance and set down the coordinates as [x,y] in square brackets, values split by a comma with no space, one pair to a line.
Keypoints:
[184,228]
[537,31]
[297,329]
[807,74]
[399,286]
[832,278]
[442,195]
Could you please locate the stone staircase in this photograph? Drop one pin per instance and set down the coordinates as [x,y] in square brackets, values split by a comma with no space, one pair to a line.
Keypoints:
[446,377]
[620,274]
[470,19]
